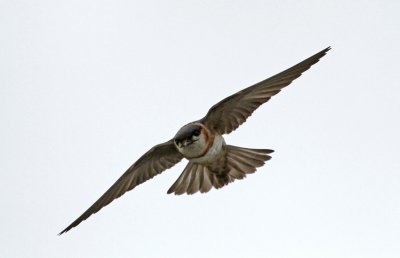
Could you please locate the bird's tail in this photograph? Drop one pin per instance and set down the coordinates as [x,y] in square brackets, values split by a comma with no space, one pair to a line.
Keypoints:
[239,162]
[242,161]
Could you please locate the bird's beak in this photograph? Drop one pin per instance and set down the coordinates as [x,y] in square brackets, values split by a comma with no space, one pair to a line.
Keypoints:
[186,142]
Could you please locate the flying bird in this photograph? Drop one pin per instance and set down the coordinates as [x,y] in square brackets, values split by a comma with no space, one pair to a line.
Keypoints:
[212,162]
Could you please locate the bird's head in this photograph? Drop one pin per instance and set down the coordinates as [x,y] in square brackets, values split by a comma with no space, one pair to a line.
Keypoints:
[192,140]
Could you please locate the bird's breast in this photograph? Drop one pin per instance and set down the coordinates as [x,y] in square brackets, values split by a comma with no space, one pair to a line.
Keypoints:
[213,152]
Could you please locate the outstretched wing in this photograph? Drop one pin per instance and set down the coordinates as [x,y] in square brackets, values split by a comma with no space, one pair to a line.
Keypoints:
[152,163]
[231,112]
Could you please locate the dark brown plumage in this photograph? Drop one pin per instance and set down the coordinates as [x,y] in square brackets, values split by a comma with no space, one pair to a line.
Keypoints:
[152,163]
[231,112]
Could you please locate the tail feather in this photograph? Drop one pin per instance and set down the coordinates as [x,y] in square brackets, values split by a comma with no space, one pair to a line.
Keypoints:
[182,183]
[208,181]
[195,180]
[239,162]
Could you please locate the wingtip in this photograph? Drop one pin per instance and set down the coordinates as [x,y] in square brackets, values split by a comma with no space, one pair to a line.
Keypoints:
[326,49]
[66,229]
[315,58]
[62,232]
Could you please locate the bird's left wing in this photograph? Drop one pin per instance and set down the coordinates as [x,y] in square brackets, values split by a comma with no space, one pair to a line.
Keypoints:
[152,163]
[231,112]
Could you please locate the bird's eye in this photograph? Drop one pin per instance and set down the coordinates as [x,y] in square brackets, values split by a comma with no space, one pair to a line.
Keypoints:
[196,132]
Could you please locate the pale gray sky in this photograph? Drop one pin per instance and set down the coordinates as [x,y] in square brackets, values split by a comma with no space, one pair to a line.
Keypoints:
[86,87]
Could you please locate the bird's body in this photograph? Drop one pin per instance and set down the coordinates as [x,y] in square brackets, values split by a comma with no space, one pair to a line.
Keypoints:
[212,162]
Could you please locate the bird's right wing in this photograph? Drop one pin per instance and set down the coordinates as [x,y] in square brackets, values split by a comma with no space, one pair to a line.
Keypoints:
[231,112]
[152,163]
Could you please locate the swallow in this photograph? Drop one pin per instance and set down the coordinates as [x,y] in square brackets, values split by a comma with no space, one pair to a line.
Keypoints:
[212,162]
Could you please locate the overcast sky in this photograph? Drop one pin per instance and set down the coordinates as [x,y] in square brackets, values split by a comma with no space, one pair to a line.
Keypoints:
[87,87]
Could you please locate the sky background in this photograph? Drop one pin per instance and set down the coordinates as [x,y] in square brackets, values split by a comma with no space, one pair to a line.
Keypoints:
[87,87]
